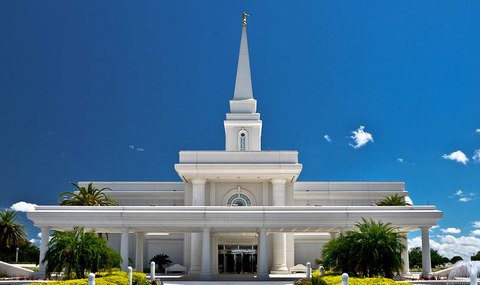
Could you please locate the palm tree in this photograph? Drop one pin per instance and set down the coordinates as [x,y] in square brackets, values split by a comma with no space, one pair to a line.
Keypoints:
[371,249]
[161,260]
[393,200]
[380,248]
[12,233]
[90,196]
[78,252]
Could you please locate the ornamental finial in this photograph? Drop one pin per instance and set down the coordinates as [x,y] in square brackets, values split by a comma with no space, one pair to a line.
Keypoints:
[244,16]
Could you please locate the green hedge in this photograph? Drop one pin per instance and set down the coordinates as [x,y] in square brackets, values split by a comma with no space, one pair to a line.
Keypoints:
[104,278]
[337,280]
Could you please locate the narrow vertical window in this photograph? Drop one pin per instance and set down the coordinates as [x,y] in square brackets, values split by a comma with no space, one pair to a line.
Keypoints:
[242,142]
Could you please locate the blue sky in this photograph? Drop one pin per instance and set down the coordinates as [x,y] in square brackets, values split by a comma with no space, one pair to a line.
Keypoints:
[83,81]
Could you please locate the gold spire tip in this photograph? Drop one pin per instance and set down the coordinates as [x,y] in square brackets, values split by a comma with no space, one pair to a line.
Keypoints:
[244,16]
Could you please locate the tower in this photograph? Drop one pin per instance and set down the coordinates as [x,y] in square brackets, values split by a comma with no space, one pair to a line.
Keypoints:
[243,127]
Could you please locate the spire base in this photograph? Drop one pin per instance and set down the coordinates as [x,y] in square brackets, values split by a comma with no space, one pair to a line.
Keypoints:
[248,106]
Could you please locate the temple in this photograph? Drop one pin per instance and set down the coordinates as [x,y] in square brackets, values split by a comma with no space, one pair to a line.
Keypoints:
[238,210]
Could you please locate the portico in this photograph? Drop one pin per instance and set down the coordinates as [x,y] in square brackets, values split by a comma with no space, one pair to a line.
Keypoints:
[261,220]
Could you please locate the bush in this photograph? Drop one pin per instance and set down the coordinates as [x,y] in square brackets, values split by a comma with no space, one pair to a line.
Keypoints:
[139,278]
[372,249]
[337,280]
[104,278]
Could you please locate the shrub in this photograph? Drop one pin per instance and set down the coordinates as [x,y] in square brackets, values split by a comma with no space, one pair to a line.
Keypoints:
[139,278]
[372,249]
[337,280]
[104,278]
[76,252]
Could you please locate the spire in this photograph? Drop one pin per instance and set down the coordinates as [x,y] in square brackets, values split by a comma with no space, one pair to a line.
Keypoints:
[243,83]
[243,127]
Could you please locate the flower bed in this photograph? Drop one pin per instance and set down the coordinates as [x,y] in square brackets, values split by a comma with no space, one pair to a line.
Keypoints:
[337,280]
[104,278]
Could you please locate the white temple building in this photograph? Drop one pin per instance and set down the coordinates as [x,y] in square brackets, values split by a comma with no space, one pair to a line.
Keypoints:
[238,210]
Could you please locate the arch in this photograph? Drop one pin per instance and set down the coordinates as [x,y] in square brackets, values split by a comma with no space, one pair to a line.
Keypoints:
[239,197]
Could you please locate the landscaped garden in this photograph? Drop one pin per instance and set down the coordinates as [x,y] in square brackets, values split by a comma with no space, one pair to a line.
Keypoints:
[105,278]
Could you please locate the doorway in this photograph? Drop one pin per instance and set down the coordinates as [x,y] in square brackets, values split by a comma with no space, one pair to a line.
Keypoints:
[237,259]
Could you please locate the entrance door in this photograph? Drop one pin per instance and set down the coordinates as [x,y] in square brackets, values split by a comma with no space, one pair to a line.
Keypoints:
[237,259]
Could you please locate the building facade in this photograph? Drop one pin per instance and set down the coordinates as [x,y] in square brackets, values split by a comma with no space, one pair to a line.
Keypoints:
[238,210]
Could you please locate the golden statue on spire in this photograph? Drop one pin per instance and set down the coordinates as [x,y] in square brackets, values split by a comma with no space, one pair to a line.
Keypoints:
[244,16]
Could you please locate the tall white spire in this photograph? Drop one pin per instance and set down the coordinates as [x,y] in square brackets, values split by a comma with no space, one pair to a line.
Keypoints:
[243,127]
[243,82]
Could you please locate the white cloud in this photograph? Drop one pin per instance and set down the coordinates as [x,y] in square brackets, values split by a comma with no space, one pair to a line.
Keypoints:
[449,246]
[361,137]
[34,240]
[477,130]
[458,156]
[476,232]
[327,138]
[39,234]
[132,147]
[450,231]
[476,155]
[463,197]
[400,160]
[23,207]
[476,224]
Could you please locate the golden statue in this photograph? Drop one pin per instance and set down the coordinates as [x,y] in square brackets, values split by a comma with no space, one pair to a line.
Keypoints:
[244,16]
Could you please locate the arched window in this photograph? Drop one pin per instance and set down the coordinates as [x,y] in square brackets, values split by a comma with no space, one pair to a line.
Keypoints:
[242,140]
[239,200]
[239,197]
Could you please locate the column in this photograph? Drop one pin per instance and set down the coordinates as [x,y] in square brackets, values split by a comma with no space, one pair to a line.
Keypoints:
[406,266]
[124,249]
[279,239]
[262,255]
[426,262]
[198,191]
[140,237]
[278,185]
[333,235]
[206,271]
[43,249]
[198,199]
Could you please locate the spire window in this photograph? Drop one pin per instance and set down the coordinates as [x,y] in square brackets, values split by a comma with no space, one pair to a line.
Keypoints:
[242,140]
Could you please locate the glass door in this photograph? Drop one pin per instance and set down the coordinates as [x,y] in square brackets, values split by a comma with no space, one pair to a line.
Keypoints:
[237,259]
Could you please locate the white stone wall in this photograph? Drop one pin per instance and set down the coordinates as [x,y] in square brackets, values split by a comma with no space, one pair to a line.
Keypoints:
[221,189]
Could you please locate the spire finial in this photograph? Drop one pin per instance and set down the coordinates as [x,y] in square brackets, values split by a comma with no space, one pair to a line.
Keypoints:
[244,16]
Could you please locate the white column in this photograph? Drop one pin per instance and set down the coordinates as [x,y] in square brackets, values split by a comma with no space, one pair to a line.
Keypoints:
[206,271]
[406,266]
[195,253]
[279,239]
[263,255]
[426,262]
[279,253]
[139,252]
[43,249]
[278,185]
[198,199]
[124,249]
[198,191]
